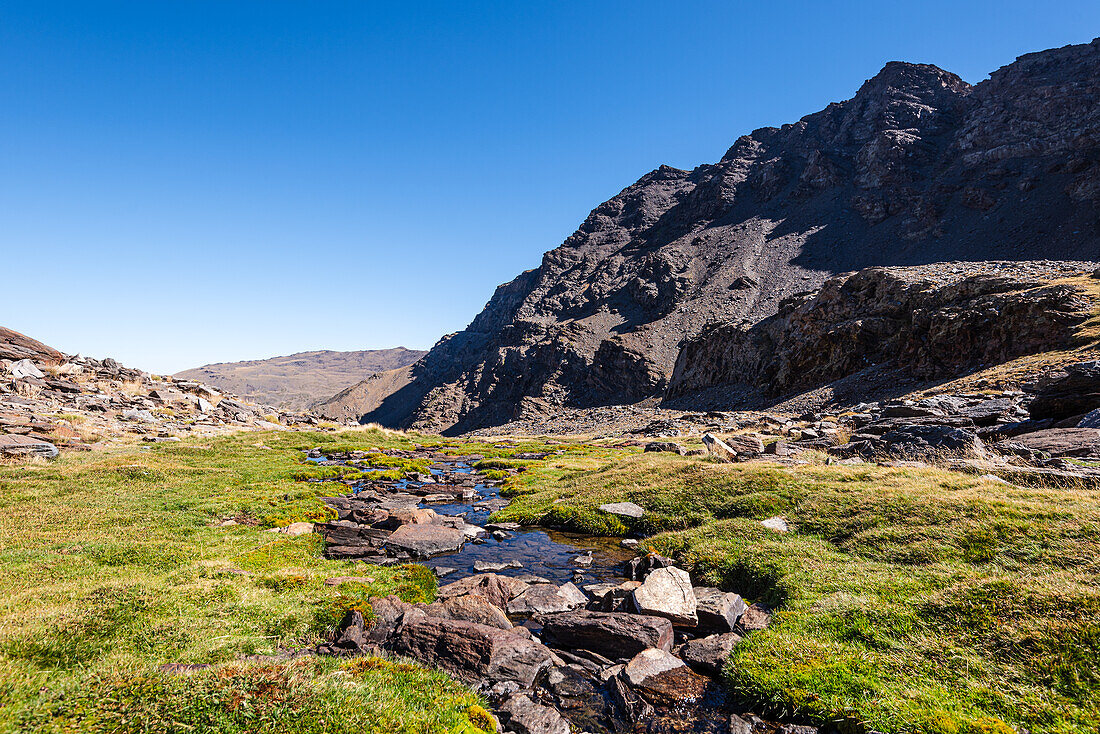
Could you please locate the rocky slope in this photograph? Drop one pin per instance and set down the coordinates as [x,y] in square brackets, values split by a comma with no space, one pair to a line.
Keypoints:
[925,322]
[918,167]
[50,401]
[297,381]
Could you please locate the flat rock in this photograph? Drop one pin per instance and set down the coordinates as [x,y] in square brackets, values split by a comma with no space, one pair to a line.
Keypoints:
[624,509]
[548,599]
[756,617]
[613,634]
[665,447]
[777,524]
[667,592]
[424,541]
[708,655]
[15,445]
[1063,441]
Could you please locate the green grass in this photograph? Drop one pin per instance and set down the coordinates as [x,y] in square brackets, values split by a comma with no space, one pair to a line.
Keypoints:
[111,567]
[908,599]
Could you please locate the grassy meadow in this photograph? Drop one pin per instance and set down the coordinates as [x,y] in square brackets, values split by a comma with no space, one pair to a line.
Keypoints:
[908,599]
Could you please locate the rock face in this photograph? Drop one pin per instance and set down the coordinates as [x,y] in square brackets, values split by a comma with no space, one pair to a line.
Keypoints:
[926,322]
[918,167]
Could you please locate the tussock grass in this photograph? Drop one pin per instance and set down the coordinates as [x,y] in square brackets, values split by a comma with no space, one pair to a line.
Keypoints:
[909,599]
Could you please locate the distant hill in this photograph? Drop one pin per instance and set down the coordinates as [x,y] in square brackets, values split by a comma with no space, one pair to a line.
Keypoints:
[296,381]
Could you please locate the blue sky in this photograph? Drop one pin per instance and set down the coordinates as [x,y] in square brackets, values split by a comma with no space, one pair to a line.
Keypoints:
[187,182]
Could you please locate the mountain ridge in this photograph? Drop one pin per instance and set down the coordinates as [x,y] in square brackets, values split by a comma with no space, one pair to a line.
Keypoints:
[917,167]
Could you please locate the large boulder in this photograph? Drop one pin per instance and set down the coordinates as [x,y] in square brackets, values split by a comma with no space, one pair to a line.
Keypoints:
[613,634]
[1063,441]
[548,599]
[1065,392]
[667,592]
[472,652]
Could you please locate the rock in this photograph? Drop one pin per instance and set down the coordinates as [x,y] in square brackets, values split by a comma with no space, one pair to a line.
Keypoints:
[497,590]
[674,687]
[667,592]
[624,509]
[717,448]
[930,442]
[638,568]
[614,634]
[737,725]
[777,524]
[708,655]
[25,368]
[756,617]
[1064,392]
[409,516]
[617,598]
[649,663]
[1063,441]
[1090,419]
[797,729]
[16,445]
[483,566]
[718,610]
[424,541]
[664,446]
[472,652]
[298,528]
[337,580]
[470,608]
[547,599]
[522,715]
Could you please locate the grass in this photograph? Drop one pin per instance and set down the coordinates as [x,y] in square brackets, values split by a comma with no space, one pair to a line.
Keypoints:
[908,599]
[112,566]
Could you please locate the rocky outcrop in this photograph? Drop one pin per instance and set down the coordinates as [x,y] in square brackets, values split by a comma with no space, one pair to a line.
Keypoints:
[925,322]
[918,167]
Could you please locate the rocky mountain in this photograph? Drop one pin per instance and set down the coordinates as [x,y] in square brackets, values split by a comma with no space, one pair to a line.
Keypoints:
[297,381]
[918,167]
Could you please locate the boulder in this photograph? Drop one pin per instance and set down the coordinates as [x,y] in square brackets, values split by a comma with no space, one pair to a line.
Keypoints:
[718,610]
[708,655]
[497,590]
[25,368]
[472,652]
[649,663]
[548,599]
[1065,392]
[928,442]
[409,516]
[614,634]
[520,714]
[15,445]
[424,541]
[664,446]
[756,617]
[616,598]
[1063,441]
[667,592]
[624,509]
[671,687]
[470,608]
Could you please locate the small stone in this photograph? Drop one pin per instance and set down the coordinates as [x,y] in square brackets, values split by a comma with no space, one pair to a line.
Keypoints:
[777,524]
[624,509]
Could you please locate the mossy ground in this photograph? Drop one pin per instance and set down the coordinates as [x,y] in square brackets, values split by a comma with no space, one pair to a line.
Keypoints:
[111,566]
[908,599]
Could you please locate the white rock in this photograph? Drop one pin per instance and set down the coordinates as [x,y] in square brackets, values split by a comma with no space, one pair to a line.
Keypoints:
[624,509]
[777,524]
[666,592]
[25,368]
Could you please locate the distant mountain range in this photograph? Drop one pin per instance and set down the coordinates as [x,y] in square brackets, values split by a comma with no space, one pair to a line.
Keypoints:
[918,167]
[297,381]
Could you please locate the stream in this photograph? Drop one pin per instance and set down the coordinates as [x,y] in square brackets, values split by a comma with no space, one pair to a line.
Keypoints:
[583,687]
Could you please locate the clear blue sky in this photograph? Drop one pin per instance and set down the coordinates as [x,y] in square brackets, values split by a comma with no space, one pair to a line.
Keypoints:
[187,182]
